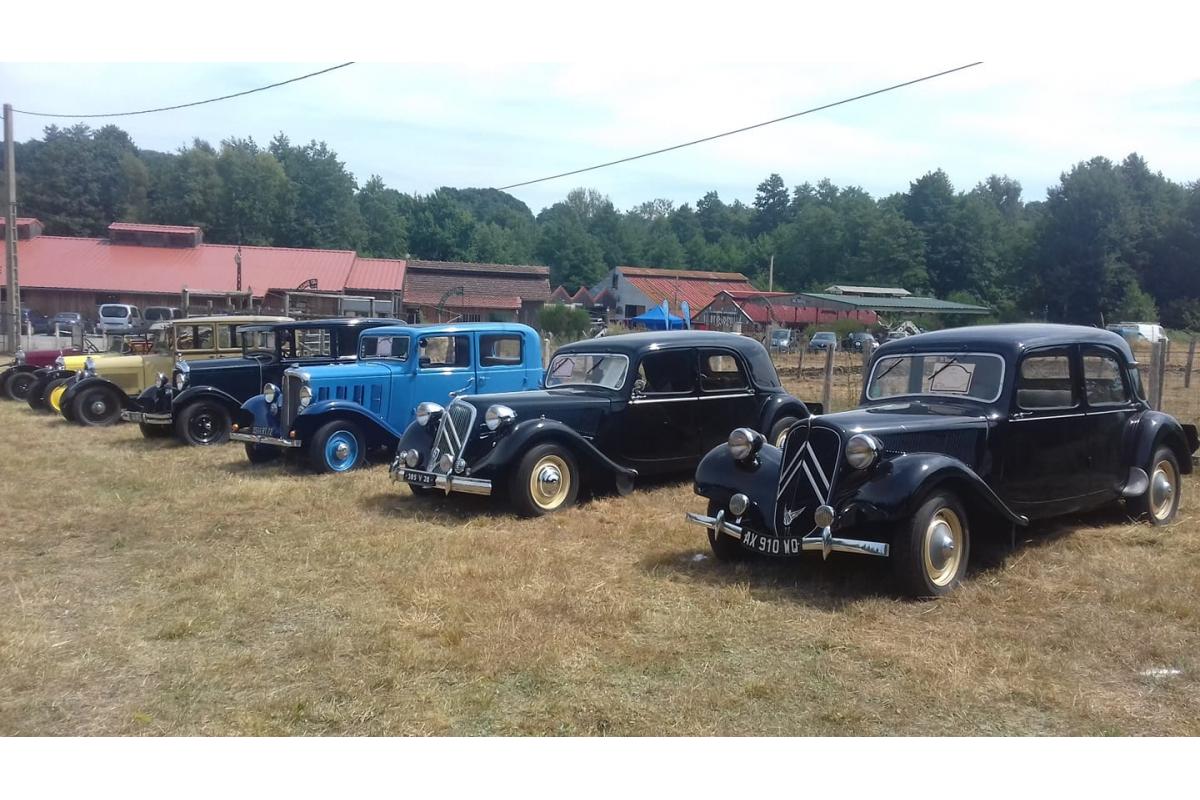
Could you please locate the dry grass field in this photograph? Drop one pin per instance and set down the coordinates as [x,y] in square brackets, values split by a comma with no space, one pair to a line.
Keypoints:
[146,588]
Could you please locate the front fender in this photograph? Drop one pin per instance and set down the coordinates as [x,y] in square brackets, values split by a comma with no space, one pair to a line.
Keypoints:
[154,400]
[256,413]
[785,406]
[719,476]
[529,433]
[418,437]
[194,393]
[1154,428]
[894,489]
[377,429]
[91,382]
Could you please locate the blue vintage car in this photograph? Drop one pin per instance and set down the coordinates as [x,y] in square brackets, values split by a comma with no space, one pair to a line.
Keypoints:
[336,414]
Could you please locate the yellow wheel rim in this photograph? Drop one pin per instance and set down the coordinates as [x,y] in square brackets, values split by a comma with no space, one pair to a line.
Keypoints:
[942,548]
[1164,485]
[550,482]
[55,398]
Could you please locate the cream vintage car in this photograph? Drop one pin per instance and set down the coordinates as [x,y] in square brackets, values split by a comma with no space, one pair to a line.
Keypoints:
[102,386]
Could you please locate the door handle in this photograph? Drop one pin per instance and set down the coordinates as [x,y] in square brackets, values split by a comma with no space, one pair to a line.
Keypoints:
[464,389]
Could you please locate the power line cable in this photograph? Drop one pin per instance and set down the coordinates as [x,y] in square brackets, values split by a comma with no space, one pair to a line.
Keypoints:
[185,105]
[747,128]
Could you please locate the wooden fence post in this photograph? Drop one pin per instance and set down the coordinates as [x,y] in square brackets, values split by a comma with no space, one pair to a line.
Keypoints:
[1155,377]
[1187,373]
[800,366]
[827,387]
[866,362]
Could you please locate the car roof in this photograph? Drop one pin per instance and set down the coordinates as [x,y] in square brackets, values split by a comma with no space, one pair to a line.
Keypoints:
[452,327]
[241,319]
[1005,339]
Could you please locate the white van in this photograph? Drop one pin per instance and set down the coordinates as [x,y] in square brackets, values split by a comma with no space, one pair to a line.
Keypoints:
[119,318]
[1139,332]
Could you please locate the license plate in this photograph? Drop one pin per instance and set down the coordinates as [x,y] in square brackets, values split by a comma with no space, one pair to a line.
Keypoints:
[420,478]
[133,416]
[259,431]
[771,545]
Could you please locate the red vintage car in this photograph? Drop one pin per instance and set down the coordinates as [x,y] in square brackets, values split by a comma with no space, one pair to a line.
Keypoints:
[18,377]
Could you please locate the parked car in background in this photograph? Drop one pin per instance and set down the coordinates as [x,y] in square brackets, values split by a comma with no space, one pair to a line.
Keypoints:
[200,401]
[34,321]
[100,390]
[857,341]
[957,431]
[610,410]
[20,374]
[1139,332]
[119,318]
[822,341]
[66,322]
[335,415]
[781,339]
[50,382]
[162,313]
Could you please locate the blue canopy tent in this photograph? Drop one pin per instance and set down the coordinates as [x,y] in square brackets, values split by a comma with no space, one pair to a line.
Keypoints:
[658,319]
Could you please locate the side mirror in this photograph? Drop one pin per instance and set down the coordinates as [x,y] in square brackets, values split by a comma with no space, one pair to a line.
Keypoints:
[639,387]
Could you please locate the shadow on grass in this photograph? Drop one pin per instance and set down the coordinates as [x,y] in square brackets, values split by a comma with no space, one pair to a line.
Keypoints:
[401,502]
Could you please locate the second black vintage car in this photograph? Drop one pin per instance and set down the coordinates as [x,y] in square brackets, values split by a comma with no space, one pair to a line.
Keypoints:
[956,430]
[611,409]
[201,398]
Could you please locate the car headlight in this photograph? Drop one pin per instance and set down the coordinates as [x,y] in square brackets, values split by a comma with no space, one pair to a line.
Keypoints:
[427,412]
[270,392]
[744,443]
[862,450]
[446,462]
[412,458]
[20,356]
[738,504]
[305,395]
[162,380]
[498,415]
[59,363]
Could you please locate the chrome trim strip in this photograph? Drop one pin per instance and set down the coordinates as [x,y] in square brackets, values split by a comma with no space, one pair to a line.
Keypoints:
[825,541]
[817,463]
[1050,416]
[238,436]
[717,524]
[447,483]
[643,401]
[146,418]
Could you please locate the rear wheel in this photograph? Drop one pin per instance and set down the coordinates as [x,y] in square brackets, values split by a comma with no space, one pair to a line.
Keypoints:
[203,423]
[52,397]
[724,546]
[95,406]
[261,453]
[17,385]
[1160,503]
[338,446]
[154,431]
[547,480]
[929,552]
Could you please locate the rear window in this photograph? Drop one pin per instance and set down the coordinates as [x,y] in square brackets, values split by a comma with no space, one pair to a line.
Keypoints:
[114,311]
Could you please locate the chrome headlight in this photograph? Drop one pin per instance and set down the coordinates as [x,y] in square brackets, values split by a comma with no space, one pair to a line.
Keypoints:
[738,504]
[862,450]
[427,412]
[305,395]
[181,374]
[20,356]
[497,416]
[446,462]
[270,392]
[162,381]
[412,458]
[59,363]
[89,366]
[744,443]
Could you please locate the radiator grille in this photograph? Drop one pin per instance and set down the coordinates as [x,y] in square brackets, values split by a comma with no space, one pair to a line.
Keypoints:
[291,397]
[453,432]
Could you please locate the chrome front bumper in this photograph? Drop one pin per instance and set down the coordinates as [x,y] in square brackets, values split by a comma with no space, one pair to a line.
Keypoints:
[438,480]
[146,418]
[258,438]
[822,540]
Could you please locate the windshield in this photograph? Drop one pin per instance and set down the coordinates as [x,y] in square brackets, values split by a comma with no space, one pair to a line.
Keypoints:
[257,340]
[974,375]
[164,341]
[588,369]
[824,336]
[384,347]
[114,311]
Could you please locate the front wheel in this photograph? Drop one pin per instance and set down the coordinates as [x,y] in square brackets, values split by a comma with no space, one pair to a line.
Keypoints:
[261,453]
[18,384]
[929,552]
[52,397]
[337,447]
[724,547]
[203,423]
[779,431]
[1160,502]
[94,407]
[547,480]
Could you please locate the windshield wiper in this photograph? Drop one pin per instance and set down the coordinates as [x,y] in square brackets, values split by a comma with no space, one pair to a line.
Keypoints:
[953,360]
[883,374]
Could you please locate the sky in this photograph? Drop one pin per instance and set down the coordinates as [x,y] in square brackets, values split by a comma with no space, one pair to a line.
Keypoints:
[421,126]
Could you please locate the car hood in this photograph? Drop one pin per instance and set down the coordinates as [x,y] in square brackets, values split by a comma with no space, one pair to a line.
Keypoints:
[76,362]
[905,417]
[357,370]
[208,365]
[579,409]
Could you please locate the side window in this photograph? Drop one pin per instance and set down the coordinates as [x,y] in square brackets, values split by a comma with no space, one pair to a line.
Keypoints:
[440,352]
[1102,379]
[311,342]
[1045,382]
[500,349]
[668,372]
[720,372]
[226,336]
[194,337]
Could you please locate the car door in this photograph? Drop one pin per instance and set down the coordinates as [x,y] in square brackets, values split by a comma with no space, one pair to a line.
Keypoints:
[1109,406]
[501,364]
[727,400]
[445,364]
[1045,449]
[658,429]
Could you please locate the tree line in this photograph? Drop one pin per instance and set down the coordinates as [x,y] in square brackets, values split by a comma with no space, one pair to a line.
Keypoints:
[1109,241]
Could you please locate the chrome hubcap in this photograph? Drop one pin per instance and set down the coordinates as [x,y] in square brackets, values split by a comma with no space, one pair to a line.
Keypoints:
[550,482]
[341,450]
[98,407]
[1162,490]
[943,547]
[548,479]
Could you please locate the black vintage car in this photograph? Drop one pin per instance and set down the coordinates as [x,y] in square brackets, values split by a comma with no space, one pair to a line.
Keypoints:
[957,431]
[610,409]
[201,398]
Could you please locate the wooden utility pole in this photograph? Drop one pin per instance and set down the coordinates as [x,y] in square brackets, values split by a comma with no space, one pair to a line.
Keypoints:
[10,233]
[771,275]
[1191,359]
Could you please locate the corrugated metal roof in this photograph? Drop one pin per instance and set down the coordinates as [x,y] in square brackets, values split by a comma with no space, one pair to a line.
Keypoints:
[482,280]
[913,305]
[376,275]
[658,272]
[137,227]
[697,292]
[881,291]
[67,262]
[435,298]
[530,270]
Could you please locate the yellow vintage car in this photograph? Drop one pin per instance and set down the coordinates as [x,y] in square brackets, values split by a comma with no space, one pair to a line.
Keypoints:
[103,384]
